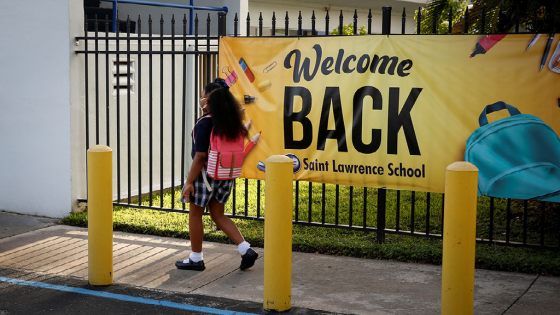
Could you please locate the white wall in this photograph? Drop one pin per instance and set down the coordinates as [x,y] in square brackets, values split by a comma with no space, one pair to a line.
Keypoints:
[35,158]
[139,104]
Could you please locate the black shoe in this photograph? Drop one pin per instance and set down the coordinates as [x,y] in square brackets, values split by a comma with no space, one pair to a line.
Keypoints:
[191,265]
[248,260]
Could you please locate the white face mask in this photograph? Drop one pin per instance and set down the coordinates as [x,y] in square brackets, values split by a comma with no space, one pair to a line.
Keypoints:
[200,104]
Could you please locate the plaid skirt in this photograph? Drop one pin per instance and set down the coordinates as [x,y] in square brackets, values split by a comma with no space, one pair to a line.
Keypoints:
[221,189]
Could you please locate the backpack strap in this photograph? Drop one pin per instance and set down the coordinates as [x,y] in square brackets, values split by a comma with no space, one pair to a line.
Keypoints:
[482,120]
[199,119]
[203,169]
[205,179]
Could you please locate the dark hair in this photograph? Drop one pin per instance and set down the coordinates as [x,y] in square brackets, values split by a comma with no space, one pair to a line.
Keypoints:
[226,112]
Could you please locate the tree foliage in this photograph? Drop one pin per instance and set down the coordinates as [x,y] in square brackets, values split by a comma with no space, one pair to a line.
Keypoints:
[348,29]
[490,16]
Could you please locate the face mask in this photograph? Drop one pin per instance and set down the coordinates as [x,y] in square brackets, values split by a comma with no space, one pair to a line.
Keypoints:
[200,104]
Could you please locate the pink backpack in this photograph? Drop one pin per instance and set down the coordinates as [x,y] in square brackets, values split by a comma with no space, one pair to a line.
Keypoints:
[225,158]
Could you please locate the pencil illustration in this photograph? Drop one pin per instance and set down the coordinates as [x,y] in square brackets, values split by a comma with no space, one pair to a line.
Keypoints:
[533,41]
[248,124]
[252,143]
[485,44]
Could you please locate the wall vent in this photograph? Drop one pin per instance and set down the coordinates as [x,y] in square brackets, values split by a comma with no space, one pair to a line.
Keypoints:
[123,74]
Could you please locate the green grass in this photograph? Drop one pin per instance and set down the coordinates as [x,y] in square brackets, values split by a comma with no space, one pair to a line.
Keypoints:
[359,243]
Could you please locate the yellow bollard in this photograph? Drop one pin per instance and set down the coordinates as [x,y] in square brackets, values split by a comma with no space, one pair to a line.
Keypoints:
[459,238]
[278,234]
[100,215]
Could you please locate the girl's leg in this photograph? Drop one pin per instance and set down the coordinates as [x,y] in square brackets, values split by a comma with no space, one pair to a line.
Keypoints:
[196,233]
[224,222]
[248,255]
[196,230]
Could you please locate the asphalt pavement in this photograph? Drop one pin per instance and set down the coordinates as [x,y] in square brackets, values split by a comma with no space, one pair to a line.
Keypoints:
[44,269]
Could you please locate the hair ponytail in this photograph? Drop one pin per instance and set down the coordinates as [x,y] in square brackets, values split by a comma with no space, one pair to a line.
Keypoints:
[226,112]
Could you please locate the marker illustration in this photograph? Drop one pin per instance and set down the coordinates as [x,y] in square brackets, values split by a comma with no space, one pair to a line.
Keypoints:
[485,44]
[246,99]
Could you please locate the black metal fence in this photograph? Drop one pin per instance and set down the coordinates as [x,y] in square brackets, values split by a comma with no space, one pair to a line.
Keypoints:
[143,145]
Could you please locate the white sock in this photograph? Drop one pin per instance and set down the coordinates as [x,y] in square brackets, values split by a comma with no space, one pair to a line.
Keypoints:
[194,257]
[243,247]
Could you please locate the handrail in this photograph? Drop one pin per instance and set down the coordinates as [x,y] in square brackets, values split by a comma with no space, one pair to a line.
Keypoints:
[190,7]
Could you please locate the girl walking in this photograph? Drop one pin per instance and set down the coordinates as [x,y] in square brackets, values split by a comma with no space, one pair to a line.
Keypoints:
[226,120]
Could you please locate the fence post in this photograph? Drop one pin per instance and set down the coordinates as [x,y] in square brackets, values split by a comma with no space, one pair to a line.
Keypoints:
[278,234]
[382,192]
[222,23]
[100,215]
[386,22]
[459,238]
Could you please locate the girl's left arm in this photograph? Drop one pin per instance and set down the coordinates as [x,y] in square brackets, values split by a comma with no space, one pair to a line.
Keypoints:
[198,162]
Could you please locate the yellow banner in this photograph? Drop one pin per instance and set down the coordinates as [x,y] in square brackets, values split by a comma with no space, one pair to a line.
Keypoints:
[383,111]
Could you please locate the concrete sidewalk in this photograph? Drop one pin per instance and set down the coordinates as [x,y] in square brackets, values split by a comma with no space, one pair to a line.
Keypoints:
[322,282]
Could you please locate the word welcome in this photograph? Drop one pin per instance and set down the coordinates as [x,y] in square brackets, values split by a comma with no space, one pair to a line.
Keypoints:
[346,64]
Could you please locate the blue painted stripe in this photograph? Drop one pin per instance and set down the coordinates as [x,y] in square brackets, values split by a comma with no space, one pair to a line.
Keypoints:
[122,297]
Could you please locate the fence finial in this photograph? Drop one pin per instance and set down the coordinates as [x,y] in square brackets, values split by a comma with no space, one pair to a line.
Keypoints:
[340,24]
[313,32]
[248,24]
[235,25]
[418,25]
[451,20]
[403,20]
[287,23]
[273,24]
[300,31]
[327,23]
[260,24]
[355,21]
[369,22]
[467,21]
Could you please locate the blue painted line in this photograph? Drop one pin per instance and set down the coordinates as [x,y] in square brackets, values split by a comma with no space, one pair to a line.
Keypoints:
[122,297]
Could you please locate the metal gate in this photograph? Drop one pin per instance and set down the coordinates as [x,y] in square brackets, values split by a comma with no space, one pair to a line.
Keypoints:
[146,90]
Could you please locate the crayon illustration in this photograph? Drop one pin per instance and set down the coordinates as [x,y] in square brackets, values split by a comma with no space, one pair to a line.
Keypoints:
[249,146]
[485,44]
[261,166]
[246,69]
[264,85]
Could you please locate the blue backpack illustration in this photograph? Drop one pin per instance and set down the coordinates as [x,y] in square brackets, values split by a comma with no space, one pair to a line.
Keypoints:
[517,157]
